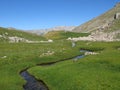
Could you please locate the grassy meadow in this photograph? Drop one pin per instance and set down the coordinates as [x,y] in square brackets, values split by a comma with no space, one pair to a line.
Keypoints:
[93,72]
[15,57]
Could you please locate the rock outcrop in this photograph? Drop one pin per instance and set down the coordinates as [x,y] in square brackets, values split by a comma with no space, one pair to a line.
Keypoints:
[117,16]
[98,36]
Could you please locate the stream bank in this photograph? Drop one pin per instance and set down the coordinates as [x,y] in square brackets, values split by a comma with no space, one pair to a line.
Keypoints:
[33,84]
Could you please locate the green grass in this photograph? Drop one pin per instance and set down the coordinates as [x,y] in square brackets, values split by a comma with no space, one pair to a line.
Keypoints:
[11,33]
[93,72]
[57,35]
[22,55]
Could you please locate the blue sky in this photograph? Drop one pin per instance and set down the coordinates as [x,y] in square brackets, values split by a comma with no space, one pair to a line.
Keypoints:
[38,14]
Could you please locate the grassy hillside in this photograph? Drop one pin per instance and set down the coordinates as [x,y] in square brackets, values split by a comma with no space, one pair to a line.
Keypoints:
[56,35]
[5,33]
[100,21]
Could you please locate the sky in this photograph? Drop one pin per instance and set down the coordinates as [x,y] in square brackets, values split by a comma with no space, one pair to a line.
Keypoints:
[43,14]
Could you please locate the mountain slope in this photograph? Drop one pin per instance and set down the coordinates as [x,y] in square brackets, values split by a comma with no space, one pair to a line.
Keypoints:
[111,33]
[11,35]
[99,22]
[57,28]
[57,35]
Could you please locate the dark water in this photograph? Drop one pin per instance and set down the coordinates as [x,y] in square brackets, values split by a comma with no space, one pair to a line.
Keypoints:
[78,57]
[33,83]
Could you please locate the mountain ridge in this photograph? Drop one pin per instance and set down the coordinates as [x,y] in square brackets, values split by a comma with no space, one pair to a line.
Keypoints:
[99,22]
[105,27]
[57,28]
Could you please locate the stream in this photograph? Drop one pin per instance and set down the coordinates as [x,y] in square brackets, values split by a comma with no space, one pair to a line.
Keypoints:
[33,84]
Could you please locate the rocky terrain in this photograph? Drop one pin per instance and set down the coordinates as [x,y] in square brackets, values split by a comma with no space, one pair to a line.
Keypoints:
[99,36]
[105,27]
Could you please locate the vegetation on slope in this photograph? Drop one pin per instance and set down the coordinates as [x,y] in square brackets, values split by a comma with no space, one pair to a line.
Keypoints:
[57,35]
[5,33]
[115,26]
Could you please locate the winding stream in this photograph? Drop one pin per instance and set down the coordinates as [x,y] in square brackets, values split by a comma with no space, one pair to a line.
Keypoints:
[33,84]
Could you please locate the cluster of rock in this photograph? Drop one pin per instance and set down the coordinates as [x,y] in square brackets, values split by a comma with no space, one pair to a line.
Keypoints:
[117,15]
[4,35]
[48,53]
[118,48]
[49,41]
[91,53]
[16,39]
[4,57]
[98,36]
[12,39]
